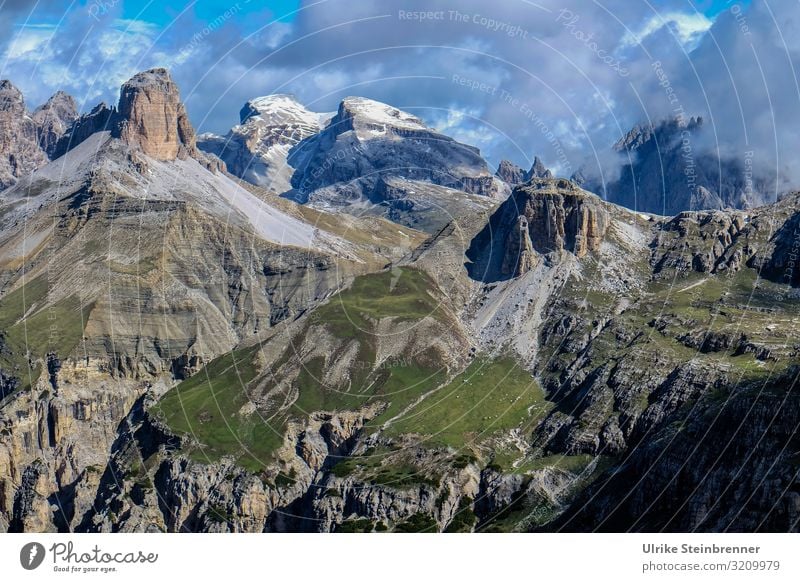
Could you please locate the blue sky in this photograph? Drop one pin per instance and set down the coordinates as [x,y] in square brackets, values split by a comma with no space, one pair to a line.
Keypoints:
[162,13]
[562,79]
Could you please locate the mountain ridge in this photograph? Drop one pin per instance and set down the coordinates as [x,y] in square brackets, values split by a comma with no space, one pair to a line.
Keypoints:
[182,350]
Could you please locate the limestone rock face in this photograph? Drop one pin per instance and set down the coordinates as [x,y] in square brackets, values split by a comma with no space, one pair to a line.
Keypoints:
[20,153]
[562,217]
[540,217]
[58,440]
[98,119]
[53,119]
[520,257]
[153,117]
[510,173]
[538,170]
[705,242]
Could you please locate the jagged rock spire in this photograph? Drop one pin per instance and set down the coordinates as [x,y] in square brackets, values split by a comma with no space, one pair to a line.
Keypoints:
[538,170]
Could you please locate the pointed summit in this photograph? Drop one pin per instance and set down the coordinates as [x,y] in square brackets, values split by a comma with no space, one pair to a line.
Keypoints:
[20,153]
[54,119]
[510,173]
[11,100]
[538,170]
[152,116]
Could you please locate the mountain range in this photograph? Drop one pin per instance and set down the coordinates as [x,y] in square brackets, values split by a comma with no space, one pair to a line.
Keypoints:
[346,322]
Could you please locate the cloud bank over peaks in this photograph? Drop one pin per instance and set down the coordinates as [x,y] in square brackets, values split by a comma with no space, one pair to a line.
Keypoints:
[562,79]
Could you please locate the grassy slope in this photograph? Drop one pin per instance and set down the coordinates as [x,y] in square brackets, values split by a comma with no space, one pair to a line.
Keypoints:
[31,336]
[404,295]
[207,406]
[488,397]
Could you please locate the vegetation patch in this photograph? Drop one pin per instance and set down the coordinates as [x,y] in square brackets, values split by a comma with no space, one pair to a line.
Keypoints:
[403,294]
[488,397]
[206,407]
[464,520]
[417,523]
[379,466]
[29,330]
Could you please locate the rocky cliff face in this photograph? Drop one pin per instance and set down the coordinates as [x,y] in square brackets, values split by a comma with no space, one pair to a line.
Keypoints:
[53,119]
[20,152]
[540,217]
[736,477]
[153,118]
[510,173]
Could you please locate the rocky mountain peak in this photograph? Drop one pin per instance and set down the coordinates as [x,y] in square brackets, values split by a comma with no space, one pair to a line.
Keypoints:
[657,176]
[510,173]
[538,170]
[54,119]
[371,118]
[11,100]
[639,134]
[367,142]
[153,117]
[256,149]
[276,110]
[542,216]
[62,102]
[664,131]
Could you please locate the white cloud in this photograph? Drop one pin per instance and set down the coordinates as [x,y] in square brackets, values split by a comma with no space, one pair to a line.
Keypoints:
[28,41]
[688,28]
[42,59]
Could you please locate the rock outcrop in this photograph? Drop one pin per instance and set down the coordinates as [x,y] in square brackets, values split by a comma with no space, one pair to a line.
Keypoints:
[53,119]
[100,118]
[20,152]
[510,173]
[705,242]
[540,217]
[153,118]
[538,170]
